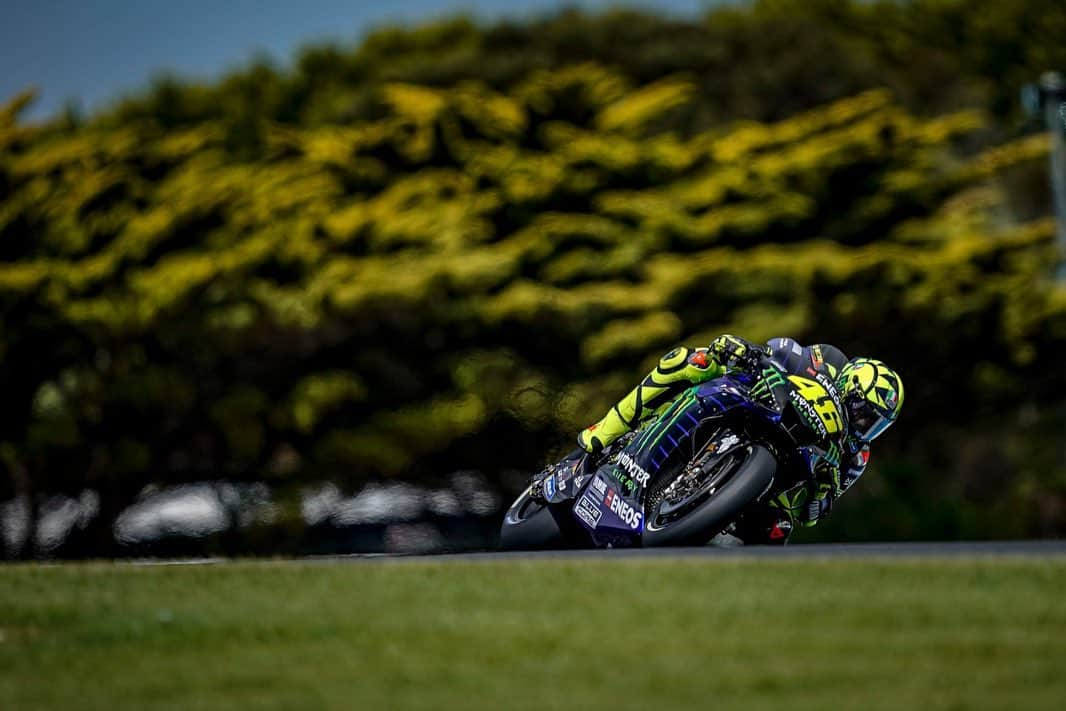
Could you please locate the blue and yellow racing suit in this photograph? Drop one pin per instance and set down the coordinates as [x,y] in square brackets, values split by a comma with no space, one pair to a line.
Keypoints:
[683,367]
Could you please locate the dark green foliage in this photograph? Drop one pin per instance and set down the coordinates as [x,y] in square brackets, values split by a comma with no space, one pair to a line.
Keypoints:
[454,245]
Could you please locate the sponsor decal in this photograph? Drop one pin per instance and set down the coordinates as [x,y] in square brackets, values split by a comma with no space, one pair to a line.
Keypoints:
[727,442]
[816,356]
[723,445]
[830,389]
[549,487]
[807,410]
[621,508]
[832,455]
[629,485]
[639,475]
[587,511]
[599,485]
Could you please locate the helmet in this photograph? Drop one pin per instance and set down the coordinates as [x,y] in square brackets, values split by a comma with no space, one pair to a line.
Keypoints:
[872,394]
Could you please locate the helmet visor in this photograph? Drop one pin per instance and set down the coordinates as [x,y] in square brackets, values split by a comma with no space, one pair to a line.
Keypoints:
[866,423]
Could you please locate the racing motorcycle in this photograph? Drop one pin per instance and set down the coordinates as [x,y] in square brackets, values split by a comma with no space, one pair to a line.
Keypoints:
[724,447]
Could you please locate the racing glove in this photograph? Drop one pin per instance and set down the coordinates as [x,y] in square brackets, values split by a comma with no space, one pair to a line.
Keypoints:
[820,504]
[731,351]
[823,491]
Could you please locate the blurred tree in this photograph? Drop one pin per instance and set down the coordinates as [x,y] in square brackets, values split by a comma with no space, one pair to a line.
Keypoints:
[454,245]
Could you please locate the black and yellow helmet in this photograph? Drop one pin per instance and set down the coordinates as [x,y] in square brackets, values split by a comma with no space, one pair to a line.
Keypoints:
[872,394]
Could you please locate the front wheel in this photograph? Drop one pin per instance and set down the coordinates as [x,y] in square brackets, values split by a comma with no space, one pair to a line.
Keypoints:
[692,508]
[528,524]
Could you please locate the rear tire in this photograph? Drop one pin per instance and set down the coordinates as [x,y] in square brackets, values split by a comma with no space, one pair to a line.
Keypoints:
[751,478]
[528,525]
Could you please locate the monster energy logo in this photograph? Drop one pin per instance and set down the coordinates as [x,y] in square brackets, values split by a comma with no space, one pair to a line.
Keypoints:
[811,417]
[634,470]
[771,378]
[832,455]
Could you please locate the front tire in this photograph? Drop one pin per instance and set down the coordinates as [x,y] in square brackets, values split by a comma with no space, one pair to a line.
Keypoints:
[749,478]
[529,525]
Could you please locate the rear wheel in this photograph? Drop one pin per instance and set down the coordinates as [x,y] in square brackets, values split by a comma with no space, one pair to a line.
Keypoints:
[692,507]
[529,524]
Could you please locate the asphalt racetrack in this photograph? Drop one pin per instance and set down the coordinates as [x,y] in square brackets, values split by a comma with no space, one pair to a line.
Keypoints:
[954,549]
[819,550]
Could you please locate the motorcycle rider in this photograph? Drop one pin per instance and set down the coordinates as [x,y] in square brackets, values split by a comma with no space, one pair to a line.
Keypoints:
[870,393]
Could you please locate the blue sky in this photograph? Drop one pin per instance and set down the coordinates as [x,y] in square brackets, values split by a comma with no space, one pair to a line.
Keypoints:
[92,51]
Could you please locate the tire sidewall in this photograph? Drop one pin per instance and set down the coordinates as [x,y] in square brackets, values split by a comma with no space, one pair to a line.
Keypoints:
[755,476]
[540,530]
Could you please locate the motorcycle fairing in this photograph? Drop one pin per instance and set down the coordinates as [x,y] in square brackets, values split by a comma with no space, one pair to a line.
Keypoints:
[610,517]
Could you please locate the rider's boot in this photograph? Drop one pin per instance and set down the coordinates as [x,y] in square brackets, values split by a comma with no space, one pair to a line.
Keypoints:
[764,525]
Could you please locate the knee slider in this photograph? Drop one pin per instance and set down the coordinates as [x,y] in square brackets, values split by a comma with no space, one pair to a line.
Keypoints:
[673,361]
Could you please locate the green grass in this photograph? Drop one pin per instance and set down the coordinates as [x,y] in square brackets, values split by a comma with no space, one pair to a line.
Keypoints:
[626,634]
